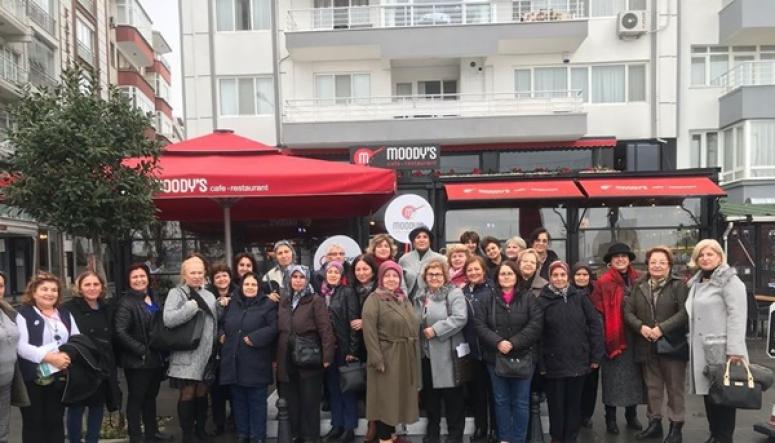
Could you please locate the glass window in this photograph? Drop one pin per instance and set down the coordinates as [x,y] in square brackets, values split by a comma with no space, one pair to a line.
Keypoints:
[524,161]
[522,84]
[324,88]
[694,154]
[224,11]
[228,96]
[261,14]
[603,8]
[464,163]
[247,104]
[762,142]
[608,84]
[698,71]
[265,95]
[242,15]
[643,157]
[729,150]
[343,88]
[636,85]
[550,82]
[246,96]
[579,78]
[719,64]
[638,5]
[403,89]
[361,87]
[739,148]
[711,141]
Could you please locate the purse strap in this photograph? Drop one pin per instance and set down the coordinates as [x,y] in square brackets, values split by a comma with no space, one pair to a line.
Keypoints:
[727,380]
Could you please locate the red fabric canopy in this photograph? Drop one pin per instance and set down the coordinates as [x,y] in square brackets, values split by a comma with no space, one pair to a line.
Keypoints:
[513,190]
[258,182]
[651,187]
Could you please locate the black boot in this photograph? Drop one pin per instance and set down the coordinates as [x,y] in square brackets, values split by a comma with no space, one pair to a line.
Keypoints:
[186,413]
[610,420]
[654,430]
[200,429]
[333,434]
[347,436]
[674,436]
[631,414]
[480,434]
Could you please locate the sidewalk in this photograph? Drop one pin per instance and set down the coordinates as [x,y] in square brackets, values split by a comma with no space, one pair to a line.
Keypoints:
[695,429]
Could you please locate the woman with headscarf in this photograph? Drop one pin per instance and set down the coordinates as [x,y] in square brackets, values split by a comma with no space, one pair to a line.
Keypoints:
[539,241]
[275,278]
[621,376]
[302,314]
[583,280]
[655,311]
[343,308]
[457,255]
[571,345]
[717,309]
[530,280]
[390,329]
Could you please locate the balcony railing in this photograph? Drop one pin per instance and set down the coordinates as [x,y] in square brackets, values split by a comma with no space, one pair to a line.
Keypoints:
[752,73]
[434,14]
[11,71]
[41,18]
[431,107]
[85,52]
[163,60]
[41,78]
[15,7]
[131,13]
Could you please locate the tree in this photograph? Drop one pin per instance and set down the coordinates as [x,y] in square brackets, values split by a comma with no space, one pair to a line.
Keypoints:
[66,164]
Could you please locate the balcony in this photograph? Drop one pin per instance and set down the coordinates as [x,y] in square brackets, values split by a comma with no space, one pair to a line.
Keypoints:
[462,118]
[134,35]
[747,22]
[42,19]
[12,77]
[85,52]
[14,25]
[40,78]
[454,29]
[748,92]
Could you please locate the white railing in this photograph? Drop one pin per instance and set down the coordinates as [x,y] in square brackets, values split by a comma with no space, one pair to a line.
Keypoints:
[17,8]
[163,60]
[430,14]
[431,107]
[138,99]
[41,17]
[131,13]
[752,73]
[163,125]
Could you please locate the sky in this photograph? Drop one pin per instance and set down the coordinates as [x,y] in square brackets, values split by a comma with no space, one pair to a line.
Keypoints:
[164,14]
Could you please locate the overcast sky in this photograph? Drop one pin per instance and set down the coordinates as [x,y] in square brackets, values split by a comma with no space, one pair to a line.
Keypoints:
[164,14]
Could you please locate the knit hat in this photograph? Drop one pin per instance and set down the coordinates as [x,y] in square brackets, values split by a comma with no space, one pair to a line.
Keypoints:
[386,266]
[617,249]
[558,264]
[422,228]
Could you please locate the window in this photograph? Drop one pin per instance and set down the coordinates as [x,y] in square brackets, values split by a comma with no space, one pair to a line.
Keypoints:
[711,149]
[438,89]
[696,150]
[644,157]
[636,83]
[342,88]
[729,154]
[550,82]
[603,8]
[579,82]
[242,15]
[246,96]
[761,146]
[704,150]
[527,161]
[459,164]
[522,83]
[404,89]
[608,84]
[85,40]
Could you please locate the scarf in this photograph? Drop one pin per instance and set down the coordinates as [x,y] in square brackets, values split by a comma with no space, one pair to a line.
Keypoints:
[656,287]
[508,296]
[327,292]
[457,277]
[608,298]
[560,292]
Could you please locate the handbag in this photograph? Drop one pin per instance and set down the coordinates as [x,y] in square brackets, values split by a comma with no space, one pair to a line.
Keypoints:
[352,377]
[512,366]
[306,352]
[676,348]
[183,337]
[736,388]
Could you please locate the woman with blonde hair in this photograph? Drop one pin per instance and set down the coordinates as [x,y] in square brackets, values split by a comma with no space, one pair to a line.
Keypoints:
[457,256]
[528,262]
[382,247]
[514,246]
[717,310]
[90,311]
[191,371]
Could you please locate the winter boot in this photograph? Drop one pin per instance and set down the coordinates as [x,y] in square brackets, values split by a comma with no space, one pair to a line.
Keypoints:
[654,430]
[200,429]
[631,414]
[610,420]
[186,413]
[674,436]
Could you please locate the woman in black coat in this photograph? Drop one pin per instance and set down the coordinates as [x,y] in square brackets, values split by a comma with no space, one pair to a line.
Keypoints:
[343,308]
[248,332]
[90,312]
[539,240]
[571,345]
[143,366]
[583,281]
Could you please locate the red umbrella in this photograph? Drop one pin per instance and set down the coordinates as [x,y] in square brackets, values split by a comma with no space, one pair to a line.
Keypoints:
[223,175]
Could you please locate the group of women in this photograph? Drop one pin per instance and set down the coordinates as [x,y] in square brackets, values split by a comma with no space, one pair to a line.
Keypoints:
[479,323]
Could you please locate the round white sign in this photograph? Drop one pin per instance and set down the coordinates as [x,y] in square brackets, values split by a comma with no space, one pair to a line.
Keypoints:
[351,249]
[405,213]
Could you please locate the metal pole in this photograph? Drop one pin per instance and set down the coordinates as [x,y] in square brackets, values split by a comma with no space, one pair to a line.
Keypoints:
[227,230]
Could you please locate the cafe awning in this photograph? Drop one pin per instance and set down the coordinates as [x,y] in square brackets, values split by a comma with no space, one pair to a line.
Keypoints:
[513,190]
[617,187]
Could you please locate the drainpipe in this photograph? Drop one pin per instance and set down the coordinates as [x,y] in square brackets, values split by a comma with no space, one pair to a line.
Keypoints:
[654,71]
[276,73]
[213,80]
[725,236]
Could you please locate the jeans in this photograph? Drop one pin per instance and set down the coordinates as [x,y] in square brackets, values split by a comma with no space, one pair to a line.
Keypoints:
[93,423]
[512,406]
[344,405]
[249,405]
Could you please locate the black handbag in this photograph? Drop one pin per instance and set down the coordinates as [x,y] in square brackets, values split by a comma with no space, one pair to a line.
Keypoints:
[352,377]
[736,388]
[676,348]
[184,337]
[306,352]
[512,366]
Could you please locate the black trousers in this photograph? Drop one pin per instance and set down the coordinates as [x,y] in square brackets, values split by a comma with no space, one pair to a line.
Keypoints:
[721,420]
[42,420]
[589,394]
[142,389]
[303,396]
[384,431]
[454,406]
[563,396]
[480,397]
[219,395]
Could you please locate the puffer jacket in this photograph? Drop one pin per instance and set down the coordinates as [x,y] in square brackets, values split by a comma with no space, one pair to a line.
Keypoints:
[131,333]
[344,307]
[520,322]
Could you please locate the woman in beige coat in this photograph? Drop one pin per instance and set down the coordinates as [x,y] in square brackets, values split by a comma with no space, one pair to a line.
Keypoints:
[390,333]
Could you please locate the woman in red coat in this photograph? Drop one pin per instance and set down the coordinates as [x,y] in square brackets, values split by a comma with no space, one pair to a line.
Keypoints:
[621,376]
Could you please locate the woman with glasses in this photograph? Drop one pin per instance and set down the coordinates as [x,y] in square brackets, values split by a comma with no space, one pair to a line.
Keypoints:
[539,240]
[443,313]
[43,327]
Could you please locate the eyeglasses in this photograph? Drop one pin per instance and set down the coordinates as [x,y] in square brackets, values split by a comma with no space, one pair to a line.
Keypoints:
[658,263]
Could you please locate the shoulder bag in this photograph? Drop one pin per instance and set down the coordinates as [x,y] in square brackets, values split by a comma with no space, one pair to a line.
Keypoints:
[511,366]
[306,352]
[735,387]
[185,337]
[674,346]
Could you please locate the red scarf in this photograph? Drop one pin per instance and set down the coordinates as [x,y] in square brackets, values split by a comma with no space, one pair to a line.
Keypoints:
[457,277]
[608,298]
[508,296]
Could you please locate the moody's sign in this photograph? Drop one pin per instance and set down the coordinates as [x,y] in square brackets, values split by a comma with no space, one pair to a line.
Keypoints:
[408,156]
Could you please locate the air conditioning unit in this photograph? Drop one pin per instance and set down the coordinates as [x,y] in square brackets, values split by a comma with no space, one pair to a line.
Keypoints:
[631,24]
